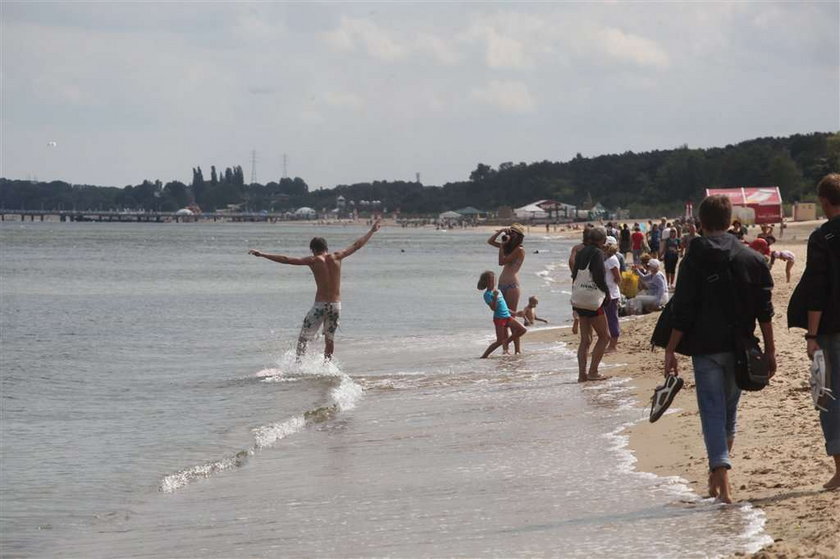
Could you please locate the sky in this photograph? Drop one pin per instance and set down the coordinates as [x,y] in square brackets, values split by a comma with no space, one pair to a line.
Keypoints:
[112,93]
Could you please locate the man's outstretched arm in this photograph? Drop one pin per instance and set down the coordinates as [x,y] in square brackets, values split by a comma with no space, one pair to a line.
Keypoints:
[280,259]
[360,242]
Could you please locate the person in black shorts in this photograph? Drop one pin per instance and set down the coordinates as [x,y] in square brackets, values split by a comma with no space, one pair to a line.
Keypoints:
[671,257]
[590,257]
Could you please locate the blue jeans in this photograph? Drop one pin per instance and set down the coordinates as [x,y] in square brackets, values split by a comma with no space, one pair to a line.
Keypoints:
[830,420]
[717,398]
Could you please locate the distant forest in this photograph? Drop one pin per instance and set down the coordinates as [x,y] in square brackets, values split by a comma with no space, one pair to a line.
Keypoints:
[644,183]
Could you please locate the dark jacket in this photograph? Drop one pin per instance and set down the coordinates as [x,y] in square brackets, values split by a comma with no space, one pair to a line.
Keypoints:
[819,287]
[591,257]
[708,310]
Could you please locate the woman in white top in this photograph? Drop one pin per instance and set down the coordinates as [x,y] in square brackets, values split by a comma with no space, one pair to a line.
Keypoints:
[612,275]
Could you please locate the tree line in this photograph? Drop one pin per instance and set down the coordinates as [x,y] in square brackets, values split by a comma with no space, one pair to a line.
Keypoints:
[646,183]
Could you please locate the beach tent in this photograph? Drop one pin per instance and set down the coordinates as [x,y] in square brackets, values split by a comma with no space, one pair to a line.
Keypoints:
[557,209]
[531,211]
[753,205]
[305,212]
[450,215]
[469,211]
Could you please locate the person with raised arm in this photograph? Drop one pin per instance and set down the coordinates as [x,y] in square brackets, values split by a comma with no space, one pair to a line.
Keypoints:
[511,257]
[326,269]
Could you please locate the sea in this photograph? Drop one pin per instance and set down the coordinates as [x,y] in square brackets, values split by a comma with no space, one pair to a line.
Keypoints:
[152,406]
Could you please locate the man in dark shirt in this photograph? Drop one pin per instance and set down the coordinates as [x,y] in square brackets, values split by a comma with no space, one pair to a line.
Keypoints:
[815,305]
[707,319]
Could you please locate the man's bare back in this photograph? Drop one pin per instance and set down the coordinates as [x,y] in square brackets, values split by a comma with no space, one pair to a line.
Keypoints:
[326,269]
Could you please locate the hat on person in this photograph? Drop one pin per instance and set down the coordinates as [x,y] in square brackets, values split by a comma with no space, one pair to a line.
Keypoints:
[760,245]
[518,229]
[611,240]
[653,263]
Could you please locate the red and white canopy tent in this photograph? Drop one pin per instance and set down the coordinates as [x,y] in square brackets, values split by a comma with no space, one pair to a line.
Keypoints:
[753,205]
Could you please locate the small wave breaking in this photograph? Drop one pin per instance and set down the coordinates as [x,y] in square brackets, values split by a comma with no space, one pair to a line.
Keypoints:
[344,394]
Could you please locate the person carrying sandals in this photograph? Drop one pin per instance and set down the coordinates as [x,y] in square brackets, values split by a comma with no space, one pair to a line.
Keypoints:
[708,325]
[815,306]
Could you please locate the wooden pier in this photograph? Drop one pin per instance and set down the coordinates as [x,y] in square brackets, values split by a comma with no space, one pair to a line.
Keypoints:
[136,217]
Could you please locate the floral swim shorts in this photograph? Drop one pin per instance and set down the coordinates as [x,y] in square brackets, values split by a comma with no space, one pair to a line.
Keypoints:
[321,313]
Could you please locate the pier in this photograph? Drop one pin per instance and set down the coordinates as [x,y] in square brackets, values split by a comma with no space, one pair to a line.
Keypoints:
[136,217]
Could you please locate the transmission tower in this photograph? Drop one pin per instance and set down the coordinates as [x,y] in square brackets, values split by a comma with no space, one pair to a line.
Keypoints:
[253,166]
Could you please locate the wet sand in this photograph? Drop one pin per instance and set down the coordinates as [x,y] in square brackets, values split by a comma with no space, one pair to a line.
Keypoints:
[779,460]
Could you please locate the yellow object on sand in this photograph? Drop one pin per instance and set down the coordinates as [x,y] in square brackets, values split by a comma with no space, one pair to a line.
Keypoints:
[629,284]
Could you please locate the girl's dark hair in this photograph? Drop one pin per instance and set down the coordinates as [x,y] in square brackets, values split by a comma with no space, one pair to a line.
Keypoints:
[514,240]
[482,279]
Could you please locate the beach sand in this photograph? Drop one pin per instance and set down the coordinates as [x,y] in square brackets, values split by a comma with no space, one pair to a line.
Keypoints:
[779,460]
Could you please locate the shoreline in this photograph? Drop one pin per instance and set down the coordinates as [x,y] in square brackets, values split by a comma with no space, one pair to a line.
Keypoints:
[779,460]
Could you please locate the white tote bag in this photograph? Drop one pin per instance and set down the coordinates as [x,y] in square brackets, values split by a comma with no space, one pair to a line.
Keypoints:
[585,292]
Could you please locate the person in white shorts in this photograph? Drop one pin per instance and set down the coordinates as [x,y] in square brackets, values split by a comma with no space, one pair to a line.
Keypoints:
[326,268]
[786,256]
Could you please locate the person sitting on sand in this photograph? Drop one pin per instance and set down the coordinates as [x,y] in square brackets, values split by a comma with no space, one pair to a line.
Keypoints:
[590,257]
[738,230]
[701,312]
[815,306]
[655,295]
[502,318]
[529,313]
[785,256]
[326,268]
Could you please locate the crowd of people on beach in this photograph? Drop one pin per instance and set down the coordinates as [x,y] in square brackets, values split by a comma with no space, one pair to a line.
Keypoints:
[722,290]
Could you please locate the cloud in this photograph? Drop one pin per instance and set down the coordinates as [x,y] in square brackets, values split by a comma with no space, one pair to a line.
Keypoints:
[510,39]
[633,48]
[354,32]
[441,50]
[344,100]
[510,96]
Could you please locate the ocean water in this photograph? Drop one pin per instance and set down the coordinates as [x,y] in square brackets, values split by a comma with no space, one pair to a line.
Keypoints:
[152,407]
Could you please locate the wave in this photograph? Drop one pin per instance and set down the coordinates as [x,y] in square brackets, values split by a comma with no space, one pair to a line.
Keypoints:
[752,538]
[343,395]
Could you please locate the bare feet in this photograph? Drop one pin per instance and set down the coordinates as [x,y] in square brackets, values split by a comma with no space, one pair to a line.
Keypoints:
[582,378]
[596,376]
[712,488]
[833,483]
[719,485]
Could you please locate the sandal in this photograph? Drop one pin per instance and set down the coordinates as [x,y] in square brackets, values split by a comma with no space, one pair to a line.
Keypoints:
[664,395]
[820,393]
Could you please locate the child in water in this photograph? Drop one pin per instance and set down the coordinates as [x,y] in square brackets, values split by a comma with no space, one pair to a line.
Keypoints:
[529,313]
[502,318]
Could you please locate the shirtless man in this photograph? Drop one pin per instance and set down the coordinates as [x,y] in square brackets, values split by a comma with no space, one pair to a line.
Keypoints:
[326,268]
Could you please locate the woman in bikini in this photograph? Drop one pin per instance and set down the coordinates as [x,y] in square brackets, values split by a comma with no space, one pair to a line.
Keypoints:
[511,257]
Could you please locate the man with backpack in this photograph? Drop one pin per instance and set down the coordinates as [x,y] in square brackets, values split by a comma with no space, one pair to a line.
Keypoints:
[722,289]
[815,306]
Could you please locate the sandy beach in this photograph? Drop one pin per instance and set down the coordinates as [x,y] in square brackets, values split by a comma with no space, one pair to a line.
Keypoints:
[779,460]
